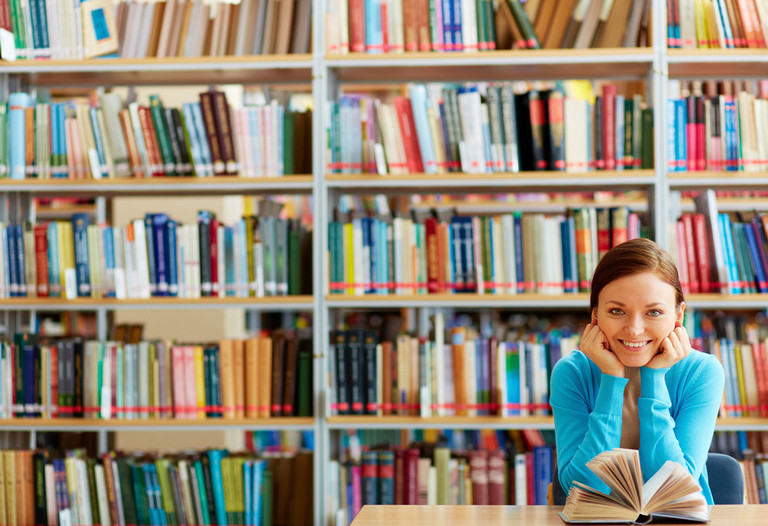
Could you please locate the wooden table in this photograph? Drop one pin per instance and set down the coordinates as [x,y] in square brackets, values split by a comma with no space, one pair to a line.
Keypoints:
[508,515]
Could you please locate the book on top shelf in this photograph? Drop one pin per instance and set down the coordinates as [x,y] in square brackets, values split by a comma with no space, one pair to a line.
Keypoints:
[671,493]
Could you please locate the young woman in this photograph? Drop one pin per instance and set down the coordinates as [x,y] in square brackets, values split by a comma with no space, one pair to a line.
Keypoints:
[635,383]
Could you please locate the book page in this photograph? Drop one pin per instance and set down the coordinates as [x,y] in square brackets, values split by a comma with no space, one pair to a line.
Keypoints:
[619,469]
[672,490]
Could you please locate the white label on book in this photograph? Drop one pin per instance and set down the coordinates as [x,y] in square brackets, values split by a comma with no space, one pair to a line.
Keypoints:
[120,289]
[93,159]
[7,45]
[70,283]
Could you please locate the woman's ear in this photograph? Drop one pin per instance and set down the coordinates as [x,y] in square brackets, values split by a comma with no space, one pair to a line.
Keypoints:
[680,315]
[594,317]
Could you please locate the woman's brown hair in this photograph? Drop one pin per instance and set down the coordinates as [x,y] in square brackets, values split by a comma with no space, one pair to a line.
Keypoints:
[635,257]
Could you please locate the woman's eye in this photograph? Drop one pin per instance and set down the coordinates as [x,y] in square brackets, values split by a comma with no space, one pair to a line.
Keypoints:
[655,313]
[616,312]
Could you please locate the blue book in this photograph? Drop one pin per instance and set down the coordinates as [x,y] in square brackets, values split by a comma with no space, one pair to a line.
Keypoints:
[387,483]
[21,278]
[756,258]
[229,261]
[447,25]
[205,149]
[16,135]
[82,267]
[253,125]
[98,139]
[418,97]
[216,385]
[730,253]
[519,267]
[194,141]
[217,484]
[259,467]
[619,132]
[171,257]
[248,491]
[457,252]
[109,261]
[369,240]
[161,250]
[458,40]
[369,477]
[513,376]
[470,283]
[54,288]
[732,141]
[61,132]
[681,140]
[491,264]
[149,234]
[542,473]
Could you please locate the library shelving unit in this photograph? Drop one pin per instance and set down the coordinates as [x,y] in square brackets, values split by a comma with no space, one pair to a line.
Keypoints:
[16,198]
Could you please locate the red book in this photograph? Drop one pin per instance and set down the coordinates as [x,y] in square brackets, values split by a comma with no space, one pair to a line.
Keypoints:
[53,359]
[399,476]
[478,472]
[690,134]
[356,26]
[609,125]
[690,254]
[702,253]
[408,133]
[411,476]
[530,483]
[761,368]
[41,259]
[701,135]
[214,243]
[410,25]
[496,478]
[150,139]
[385,28]
[422,20]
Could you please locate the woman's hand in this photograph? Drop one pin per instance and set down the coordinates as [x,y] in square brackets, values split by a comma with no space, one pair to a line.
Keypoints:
[673,348]
[595,345]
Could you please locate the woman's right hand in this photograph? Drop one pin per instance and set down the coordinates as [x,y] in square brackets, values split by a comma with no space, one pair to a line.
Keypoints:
[595,345]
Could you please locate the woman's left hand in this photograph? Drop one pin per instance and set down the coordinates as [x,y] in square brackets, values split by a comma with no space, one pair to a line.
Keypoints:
[673,348]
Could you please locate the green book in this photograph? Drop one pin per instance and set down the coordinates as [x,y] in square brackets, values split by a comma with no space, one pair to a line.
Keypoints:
[165,490]
[127,490]
[266,499]
[524,24]
[289,156]
[239,489]
[629,154]
[157,110]
[90,464]
[140,493]
[294,256]
[481,24]
[203,495]
[304,380]
[647,141]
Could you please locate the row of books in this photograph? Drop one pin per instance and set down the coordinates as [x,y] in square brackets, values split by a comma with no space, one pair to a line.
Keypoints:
[108,138]
[202,487]
[396,26]
[717,24]
[717,131]
[156,256]
[718,253]
[166,28]
[488,128]
[455,372]
[429,475]
[262,377]
[448,253]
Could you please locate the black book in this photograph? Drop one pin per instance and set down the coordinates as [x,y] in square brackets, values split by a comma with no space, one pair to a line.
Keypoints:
[149,234]
[539,115]
[524,132]
[355,366]
[204,238]
[338,344]
[78,377]
[369,372]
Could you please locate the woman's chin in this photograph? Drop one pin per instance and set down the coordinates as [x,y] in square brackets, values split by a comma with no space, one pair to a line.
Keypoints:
[640,360]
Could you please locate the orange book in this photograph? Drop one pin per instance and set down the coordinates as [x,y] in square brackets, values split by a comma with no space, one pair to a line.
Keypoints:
[137,167]
[150,139]
[251,378]
[265,376]
[552,35]
[411,25]
[226,375]
[238,376]
[458,336]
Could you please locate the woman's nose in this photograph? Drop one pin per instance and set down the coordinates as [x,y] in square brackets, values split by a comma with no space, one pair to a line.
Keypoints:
[634,326]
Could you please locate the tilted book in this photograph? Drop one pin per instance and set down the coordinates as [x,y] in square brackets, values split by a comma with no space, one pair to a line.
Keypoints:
[671,492]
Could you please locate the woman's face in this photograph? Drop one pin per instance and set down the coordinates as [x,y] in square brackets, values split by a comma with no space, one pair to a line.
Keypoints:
[636,313]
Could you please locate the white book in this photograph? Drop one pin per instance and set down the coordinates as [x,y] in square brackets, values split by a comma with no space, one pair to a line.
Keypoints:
[379,379]
[524,354]
[50,494]
[508,247]
[521,480]
[471,149]
[471,365]
[362,258]
[121,290]
[439,359]
[105,400]
[143,380]
[101,495]
[194,253]
[142,264]
[131,270]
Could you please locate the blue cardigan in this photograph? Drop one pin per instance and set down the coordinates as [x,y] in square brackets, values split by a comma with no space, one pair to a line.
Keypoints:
[677,411]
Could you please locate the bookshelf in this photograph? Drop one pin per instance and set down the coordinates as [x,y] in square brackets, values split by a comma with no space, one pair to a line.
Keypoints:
[326,74]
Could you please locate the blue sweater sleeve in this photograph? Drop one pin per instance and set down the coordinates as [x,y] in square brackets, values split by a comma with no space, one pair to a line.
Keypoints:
[582,431]
[685,436]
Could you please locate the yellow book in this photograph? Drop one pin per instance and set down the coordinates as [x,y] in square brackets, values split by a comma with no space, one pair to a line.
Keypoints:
[251,378]
[238,377]
[3,516]
[227,382]
[740,380]
[70,279]
[199,381]
[750,379]
[239,509]
[349,258]
[226,476]
[9,463]
[702,36]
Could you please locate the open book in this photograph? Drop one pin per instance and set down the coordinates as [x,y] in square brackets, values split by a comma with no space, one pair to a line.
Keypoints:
[672,492]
